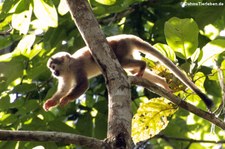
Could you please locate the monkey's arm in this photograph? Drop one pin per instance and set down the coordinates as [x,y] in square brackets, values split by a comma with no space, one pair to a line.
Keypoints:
[54,100]
[76,91]
[64,85]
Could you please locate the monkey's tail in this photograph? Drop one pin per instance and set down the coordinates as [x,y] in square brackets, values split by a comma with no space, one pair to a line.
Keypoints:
[146,48]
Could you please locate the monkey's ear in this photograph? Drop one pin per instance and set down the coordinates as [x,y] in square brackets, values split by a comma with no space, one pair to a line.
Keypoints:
[68,56]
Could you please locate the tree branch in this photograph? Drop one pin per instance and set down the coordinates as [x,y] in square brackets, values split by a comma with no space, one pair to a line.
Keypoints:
[43,136]
[188,140]
[7,32]
[181,103]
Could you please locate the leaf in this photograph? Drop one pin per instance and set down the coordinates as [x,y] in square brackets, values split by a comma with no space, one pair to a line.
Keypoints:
[100,129]
[182,36]
[46,12]
[24,46]
[21,21]
[7,5]
[63,7]
[13,69]
[151,118]
[85,124]
[58,125]
[166,50]
[211,51]
[24,88]
[199,80]
[106,2]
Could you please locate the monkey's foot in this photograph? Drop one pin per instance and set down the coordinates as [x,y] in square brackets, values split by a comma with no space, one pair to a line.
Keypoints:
[139,74]
[49,104]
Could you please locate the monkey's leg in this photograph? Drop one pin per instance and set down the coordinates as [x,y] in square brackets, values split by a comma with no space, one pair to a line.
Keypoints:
[137,66]
[149,75]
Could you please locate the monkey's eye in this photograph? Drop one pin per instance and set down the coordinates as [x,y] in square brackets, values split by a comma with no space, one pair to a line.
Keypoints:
[53,67]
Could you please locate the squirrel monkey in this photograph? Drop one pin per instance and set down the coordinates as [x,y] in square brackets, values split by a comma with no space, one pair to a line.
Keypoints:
[73,71]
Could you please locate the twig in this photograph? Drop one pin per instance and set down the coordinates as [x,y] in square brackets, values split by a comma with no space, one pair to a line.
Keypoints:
[221,107]
[7,32]
[188,140]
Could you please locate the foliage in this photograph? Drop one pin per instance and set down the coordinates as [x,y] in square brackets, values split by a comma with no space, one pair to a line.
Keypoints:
[32,30]
[151,118]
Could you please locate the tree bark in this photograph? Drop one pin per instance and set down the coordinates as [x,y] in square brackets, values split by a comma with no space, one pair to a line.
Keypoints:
[119,117]
[67,138]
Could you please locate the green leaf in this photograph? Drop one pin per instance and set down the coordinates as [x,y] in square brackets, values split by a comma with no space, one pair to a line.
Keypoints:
[7,5]
[106,2]
[4,42]
[84,124]
[182,36]
[24,46]
[213,88]
[13,69]
[46,12]
[151,118]
[199,80]
[211,51]
[58,125]
[166,51]
[100,128]
[24,88]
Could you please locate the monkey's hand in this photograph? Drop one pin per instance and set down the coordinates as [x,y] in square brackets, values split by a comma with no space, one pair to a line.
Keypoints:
[64,101]
[49,103]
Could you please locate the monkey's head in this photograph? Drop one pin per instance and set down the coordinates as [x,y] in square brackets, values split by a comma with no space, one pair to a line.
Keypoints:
[59,63]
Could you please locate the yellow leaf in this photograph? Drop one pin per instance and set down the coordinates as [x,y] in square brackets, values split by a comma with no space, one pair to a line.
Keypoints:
[151,118]
[106,2]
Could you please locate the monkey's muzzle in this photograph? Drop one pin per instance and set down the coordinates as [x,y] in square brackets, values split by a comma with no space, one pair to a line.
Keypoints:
[56,73]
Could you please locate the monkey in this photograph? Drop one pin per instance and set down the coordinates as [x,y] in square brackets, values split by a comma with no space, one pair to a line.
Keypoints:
[73,71]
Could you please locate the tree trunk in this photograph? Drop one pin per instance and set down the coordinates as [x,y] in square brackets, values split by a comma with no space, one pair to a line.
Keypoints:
[119,117]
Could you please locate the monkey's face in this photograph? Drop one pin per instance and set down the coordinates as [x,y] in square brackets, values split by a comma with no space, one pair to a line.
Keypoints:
[59,63]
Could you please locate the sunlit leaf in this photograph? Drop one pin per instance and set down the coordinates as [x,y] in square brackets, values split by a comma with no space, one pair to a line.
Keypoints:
[223,65]
[211,51]
[46,12]
[106,2]
[25,44]
[182,36]
[196,55]
[63,7]
[199,80]
[166,51]
[13,69]
[21,21]
[151,118]
[211,31]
